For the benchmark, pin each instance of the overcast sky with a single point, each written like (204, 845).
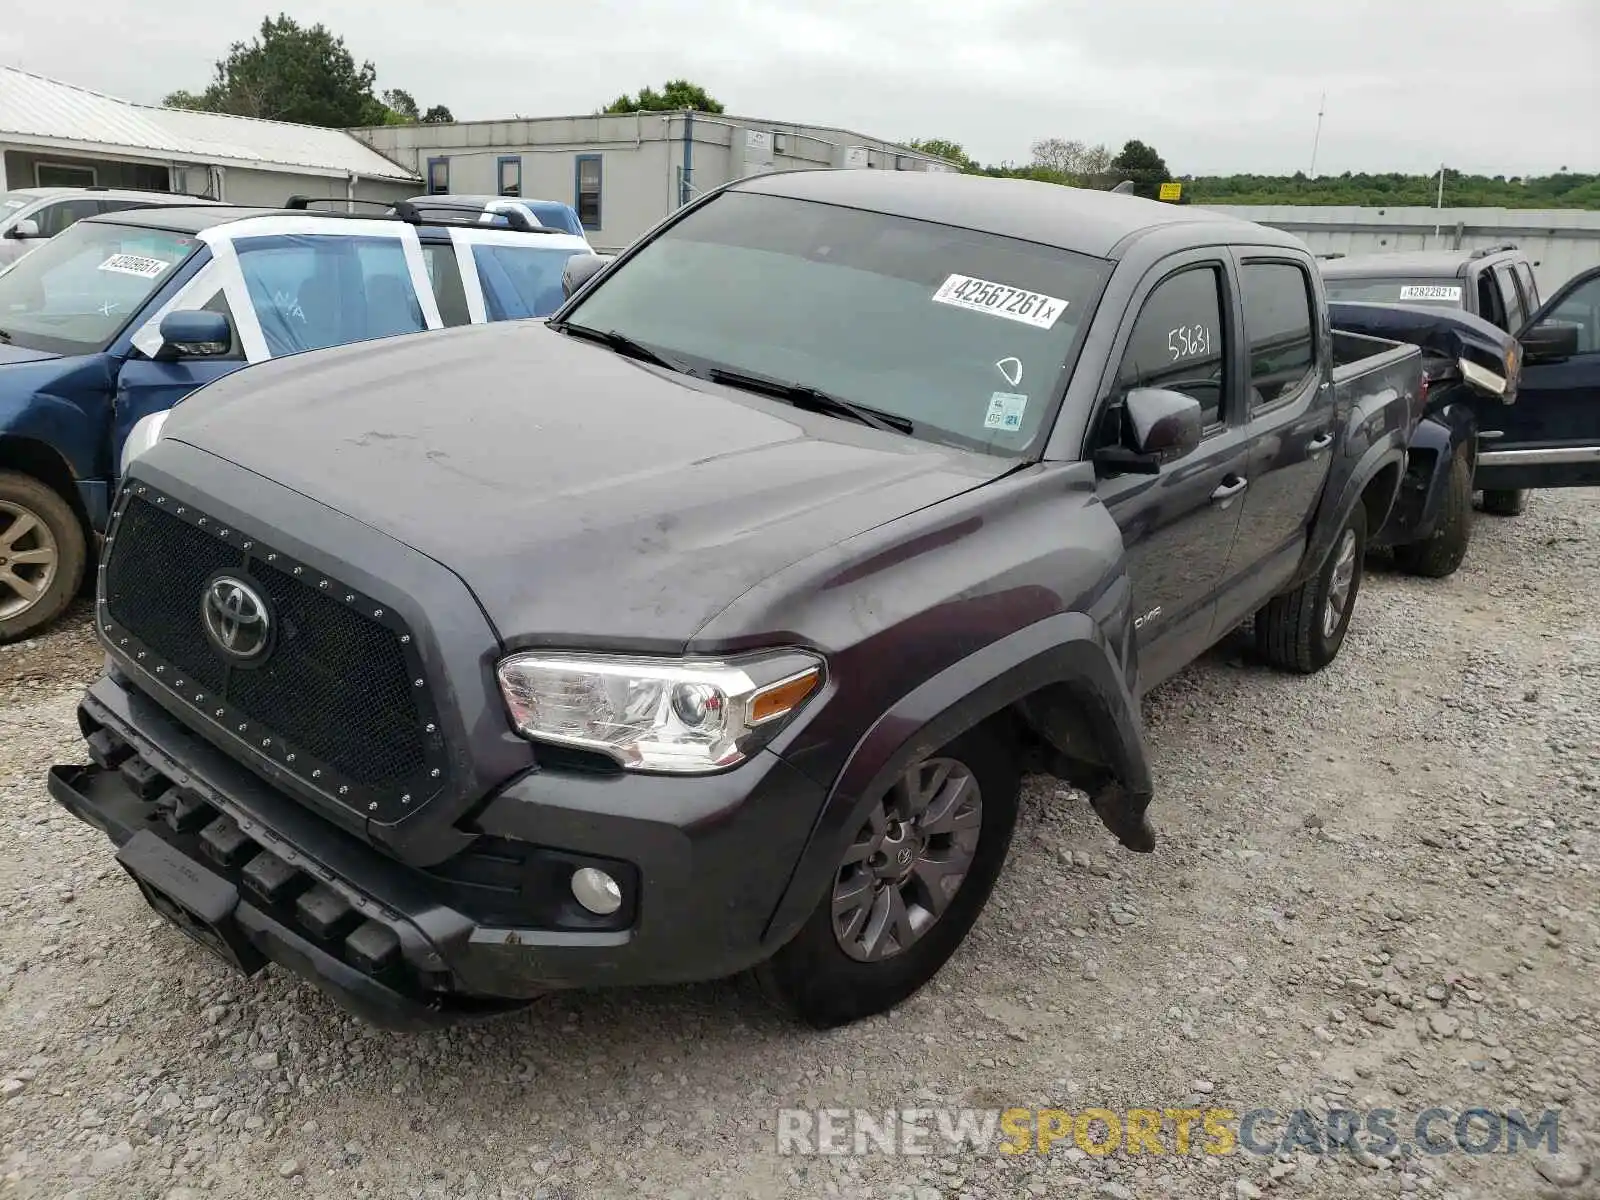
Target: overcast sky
(1217, 86)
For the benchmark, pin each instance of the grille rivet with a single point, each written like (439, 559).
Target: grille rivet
(182, 510)
(405, 639)
(141, 654)
(219, 712)
(406, 799)
(323, 584)
(266, 741)
(178, 684)
(203, 521)
(377, 612)
(416, 683)
(222, 533)
(317, 774)
(434, 772)
(161, 499)
(344, 791)
(200, 699)
(141, 491)
(247, 545)
(299, 570)
(243, 727)
(161, 670)
(373, 807)
(272, 558)
(291, 758)
(123, 642)
(105, 629)
(429, 729)
(349, 598)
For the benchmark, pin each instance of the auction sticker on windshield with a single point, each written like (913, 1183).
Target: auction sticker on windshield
(1000, 300)
(135, 264)
(1430, 291)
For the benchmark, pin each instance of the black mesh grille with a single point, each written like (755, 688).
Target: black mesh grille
(339, 700)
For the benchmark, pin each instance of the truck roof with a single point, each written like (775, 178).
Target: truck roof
(181, 218)
(1087, 222)
(1406, 262)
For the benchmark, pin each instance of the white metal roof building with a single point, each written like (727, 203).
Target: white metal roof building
(624, 172)
(56, 134)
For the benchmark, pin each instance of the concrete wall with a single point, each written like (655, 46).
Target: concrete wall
(642, 158)
(1561, 242)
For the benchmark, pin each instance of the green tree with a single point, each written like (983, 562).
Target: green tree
(945, 149)
(291, 73)
(403, 105)
(676, 95)
(437, 115)
(1143, 166)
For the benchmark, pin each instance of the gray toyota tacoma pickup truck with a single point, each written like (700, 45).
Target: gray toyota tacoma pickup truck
(712, 625)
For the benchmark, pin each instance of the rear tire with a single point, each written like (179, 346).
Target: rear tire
(815, 978)
(1303, 630)
(42, 555)
(1442, 553)
(1505, 502)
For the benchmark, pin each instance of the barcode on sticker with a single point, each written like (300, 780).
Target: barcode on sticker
(135, 264)
(1000, 300)
(1430, 291)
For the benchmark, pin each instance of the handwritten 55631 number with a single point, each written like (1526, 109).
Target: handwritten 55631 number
(1187, 341)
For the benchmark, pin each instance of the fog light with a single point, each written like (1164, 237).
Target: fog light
(596, 891)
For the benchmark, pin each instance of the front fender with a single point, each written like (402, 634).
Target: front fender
(1066, 651)
(63, 404)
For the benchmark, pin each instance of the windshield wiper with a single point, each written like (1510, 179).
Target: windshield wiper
(621, 343)
(812, 399)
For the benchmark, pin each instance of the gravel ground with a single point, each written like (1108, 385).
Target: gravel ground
(1375, 888)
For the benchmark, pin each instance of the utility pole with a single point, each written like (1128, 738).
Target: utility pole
(1439, 208)
(1322, 107)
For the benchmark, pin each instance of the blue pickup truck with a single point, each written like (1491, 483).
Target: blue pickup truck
(122, 315)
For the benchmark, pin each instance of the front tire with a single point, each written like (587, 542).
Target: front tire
(908, 889)
(1303, 630)
(1442, 553)
(42, 555)
(1505, 502)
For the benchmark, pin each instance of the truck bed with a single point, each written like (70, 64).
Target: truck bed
(1372, 370)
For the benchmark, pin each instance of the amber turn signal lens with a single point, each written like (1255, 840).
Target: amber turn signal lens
(781, 698)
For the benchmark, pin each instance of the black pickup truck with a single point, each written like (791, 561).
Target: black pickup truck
(712, 625)
(1549, 436)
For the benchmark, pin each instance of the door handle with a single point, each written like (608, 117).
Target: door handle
(1318, 444)
(1224, 494)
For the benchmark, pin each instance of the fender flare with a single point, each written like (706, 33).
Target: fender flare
(1336, 508)
(1415, 512)
(1065, 649)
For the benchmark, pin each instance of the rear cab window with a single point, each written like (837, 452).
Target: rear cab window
(1280, 328)
(1511, 295)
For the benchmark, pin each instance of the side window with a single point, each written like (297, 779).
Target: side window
(588, 190)
(438, 176)
(53, 218)
(1530, 288)
(1277, 320)
(444, 273)
(315, 291)
(1582, 308)
(1178, 340)
(510, 176)
(1516, 313)
(1490, 307)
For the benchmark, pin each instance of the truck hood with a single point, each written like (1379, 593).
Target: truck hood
(586, 499)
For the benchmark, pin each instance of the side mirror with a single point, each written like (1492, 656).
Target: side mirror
(194, 334)
(1549, 341)
(24, 230)
(1160, 426)
(580, 269)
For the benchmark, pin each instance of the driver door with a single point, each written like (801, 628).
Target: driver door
(1551, 436)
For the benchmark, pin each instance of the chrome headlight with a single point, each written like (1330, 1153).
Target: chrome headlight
(658, 714)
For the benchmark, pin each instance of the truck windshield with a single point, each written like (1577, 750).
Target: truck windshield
(76, 291)
(1444, 293)
(967, 335)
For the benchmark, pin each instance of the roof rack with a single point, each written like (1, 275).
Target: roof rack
(102, 187)
(1488, 250)
(412, 212)
(1332, 254)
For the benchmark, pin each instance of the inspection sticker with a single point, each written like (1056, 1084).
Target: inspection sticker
(1430, 291)
(135, 264)
(1005, 411)
(1000, 300)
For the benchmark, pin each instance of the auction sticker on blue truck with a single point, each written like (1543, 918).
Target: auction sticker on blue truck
(1000, 300)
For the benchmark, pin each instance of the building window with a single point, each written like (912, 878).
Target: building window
(510, 169)
(588, 190)
(63, 175)
(438, 176)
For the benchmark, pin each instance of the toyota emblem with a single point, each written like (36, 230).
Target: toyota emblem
(236, 619)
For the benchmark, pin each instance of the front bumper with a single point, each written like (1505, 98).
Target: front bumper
(257, 877)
